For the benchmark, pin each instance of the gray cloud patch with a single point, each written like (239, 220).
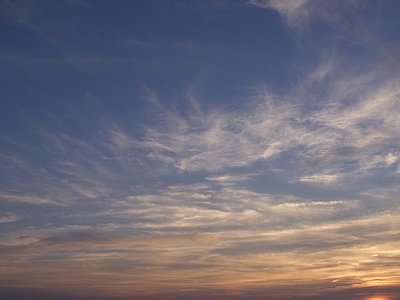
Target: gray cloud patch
(78, 236)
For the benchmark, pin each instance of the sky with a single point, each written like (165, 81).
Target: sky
(209, 149)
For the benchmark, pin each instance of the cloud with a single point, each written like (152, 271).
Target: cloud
(218, 206)
(219, 140)
(353, 21)
(189, 232)
(151, 96)
(348, 133)
(30, 199)
(71, 237)
(231, 179)
(295, 12)
(320, 178)
(9, 218)
(243, 257)
(179, 239)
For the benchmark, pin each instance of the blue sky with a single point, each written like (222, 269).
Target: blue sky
(203, 149)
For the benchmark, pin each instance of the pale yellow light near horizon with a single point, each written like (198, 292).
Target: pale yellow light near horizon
(162, 264)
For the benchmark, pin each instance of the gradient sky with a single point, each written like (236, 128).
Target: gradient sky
(208, 149)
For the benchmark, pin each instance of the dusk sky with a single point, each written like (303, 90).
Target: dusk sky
(200, 149)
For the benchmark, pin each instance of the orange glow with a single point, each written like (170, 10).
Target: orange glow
(378, 298)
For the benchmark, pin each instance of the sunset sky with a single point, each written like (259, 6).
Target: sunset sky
(208, 149)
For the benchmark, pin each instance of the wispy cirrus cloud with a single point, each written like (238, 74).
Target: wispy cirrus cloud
(350, 130)
(9, 218)
(205, 141)
(295, 12)
(301, 14)
(29, 199)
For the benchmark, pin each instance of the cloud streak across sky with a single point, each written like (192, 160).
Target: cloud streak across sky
(217, 150)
